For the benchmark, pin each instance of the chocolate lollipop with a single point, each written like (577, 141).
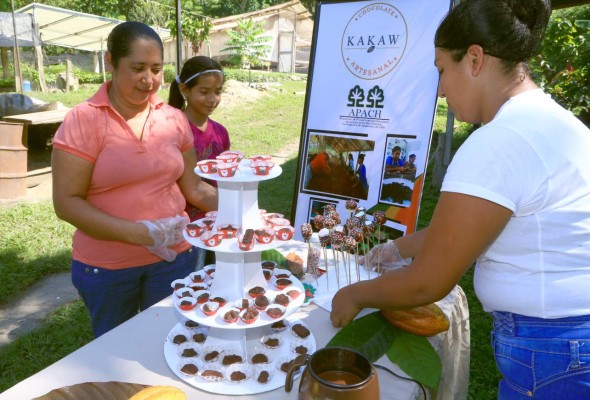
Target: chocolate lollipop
(336, 240)
(318, 221)
(351, 205)
(329, 223)
(334, 215)
(324, 236)
(359, 237)
(306, 231)
(350, 247)
(379, 218)
(329, 207)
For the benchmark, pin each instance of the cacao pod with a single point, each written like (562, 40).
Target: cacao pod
(426, 320)
(160, 393)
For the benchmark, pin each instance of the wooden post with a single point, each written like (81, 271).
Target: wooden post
(39, 61)
(18, 77)
(4, 56)
(68, 72)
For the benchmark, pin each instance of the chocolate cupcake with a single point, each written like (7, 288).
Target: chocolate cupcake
(249, 315)
(256, 291)
(231, 315)
(283, 283)
(276, 311)
(261, 302)
(282, 299)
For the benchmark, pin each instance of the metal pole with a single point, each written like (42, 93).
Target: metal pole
(178, 38)
(18, 78)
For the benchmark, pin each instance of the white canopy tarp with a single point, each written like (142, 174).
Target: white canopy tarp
(76, 30)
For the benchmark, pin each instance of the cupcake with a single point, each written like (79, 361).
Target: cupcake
(219, 300)
(189, 367)
(211, 238)
(186, 303)
(209, 269)
(179, 335)
(282, 283)
(193, 230)
(267, 264)
(301, 347)
(207, 166)
(293, 293)
(228, 231)
(198, 276)
(279, 326)
(249, 315)
(231, 315)
(267, 273)
(284, 232)
(276, 311)
(232, 356)
(261, 302)
(260, 355)
(264, 235)
(188, 350)
(211, 354)
(227, 170)
(263, 374)
(244, 303)
(256, 291)
(209, 308)
(178, 284)
(282, 299)
(212, 373)
(202, 296)
(280, 273)
(184, 292)
(237, 373)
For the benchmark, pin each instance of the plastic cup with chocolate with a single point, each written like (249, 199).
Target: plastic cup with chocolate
(228, 231)
(193, 230)
(264, 235)
(227, 170)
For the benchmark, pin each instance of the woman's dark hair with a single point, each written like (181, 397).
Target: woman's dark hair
(123, 35)
(511, 30)
(191, 67)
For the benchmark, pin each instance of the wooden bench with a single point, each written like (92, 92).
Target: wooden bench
(36, 118)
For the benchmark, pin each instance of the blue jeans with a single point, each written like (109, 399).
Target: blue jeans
(542, 358)
(114, 296)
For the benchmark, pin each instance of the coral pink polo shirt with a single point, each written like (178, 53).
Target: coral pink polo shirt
(132, 179)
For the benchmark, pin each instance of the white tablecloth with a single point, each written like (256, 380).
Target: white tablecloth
(133, 352)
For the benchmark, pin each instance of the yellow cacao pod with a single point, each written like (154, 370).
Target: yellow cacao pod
(159, 393)
(426, 320)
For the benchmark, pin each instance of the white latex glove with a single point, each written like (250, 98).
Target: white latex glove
(165, 232)
(383, 257)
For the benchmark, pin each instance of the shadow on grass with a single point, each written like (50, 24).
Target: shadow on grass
(17, 274)
(62, 333)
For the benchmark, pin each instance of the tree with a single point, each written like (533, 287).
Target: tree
(562, 69)
(247, 44)
(195, 29)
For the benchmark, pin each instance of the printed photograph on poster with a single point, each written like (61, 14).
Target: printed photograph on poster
(399, 170)
(389, 231)
(316, 207)
(336, 165)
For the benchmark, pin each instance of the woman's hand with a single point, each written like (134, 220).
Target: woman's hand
(344, 308)
(165, 233)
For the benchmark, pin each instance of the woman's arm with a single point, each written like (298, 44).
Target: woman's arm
(71, 179)
(198, 193)
(462, 227)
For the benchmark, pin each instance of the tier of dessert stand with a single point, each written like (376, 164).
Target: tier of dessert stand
(235, 272)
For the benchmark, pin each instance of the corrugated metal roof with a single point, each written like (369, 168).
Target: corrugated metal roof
(76, 30)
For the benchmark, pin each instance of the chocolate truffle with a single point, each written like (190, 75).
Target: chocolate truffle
(263, 377)
(282, 299)
(189, 369)
(259, 359)
(300, 331)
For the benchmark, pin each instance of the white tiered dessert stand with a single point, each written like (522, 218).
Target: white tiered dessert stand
(235, 272)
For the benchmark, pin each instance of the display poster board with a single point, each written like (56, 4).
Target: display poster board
(371, 92)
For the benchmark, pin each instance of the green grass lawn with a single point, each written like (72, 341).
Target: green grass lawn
(40, 245)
